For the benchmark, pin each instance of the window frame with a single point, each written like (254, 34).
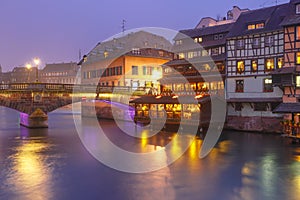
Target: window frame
(267, 85)
(238, 88)
(238, 66)
(269, 40)
(297, 32)
(266, 63)
(134, 70)
(258, 40)
(240, 44)
(252, 68)
(297, 59)
(297, 8)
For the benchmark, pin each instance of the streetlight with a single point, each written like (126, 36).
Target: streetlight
(28, 66)
(36, 62)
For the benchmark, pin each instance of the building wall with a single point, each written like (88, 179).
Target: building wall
(93, 72)
(253, 88)
(251, 49)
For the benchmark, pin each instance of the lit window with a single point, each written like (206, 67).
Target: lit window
(181, 55)
(136, 51)
(268, 85)
(269, 64)
(239, 86)
(260, 25)
(251, 26)
(105, 54)
(298, 81)
(200, 39)
(254, 66)
(240, 68)
(298, 58)
(195, 40)
(279, 62)
(298, 9)
(204, 53)
(190, 54)
(298, 33)
(207, 67)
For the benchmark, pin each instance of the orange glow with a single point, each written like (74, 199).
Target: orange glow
(198, 96)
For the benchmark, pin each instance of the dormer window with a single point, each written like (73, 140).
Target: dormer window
(297, 8)
(199, 39)
(256, 26)
(178, 42)
(259, 25)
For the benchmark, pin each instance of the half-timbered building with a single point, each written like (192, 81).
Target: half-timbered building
(255, 49)
(288, 77)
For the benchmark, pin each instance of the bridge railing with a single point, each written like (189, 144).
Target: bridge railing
(69, 88)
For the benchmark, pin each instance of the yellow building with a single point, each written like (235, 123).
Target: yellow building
(133, 60)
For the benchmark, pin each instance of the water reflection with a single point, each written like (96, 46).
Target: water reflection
(30, 173)
(52, 164)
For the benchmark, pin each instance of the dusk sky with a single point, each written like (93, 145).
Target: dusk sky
(55, 30)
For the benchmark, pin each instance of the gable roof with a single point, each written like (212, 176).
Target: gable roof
(270, 16)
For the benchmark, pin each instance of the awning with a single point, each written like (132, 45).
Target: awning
(287, 108)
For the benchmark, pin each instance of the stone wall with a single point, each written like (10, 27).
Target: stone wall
(260, 124)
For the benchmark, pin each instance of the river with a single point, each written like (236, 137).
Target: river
(53, 164)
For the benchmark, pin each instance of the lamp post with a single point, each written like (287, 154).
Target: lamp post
(36, 62)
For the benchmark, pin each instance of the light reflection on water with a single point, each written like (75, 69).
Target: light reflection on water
(30, 171)
(52, 164)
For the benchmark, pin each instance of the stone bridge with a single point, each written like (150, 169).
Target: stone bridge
(35, 100)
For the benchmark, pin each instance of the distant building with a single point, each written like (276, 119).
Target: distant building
(64, 73)
(22, 75)
(132, 60)
(232, 16)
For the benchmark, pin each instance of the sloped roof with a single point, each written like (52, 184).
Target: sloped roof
(60, 67)
(198, 32)
(270, 16)
(116, 47)
(254, 100)
(285, 70)
(287, 108)
(292, 18)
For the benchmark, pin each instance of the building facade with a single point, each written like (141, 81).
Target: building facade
(22, 75)
(255, 48)
(288, 77)
(64, 73)
(133, 60)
